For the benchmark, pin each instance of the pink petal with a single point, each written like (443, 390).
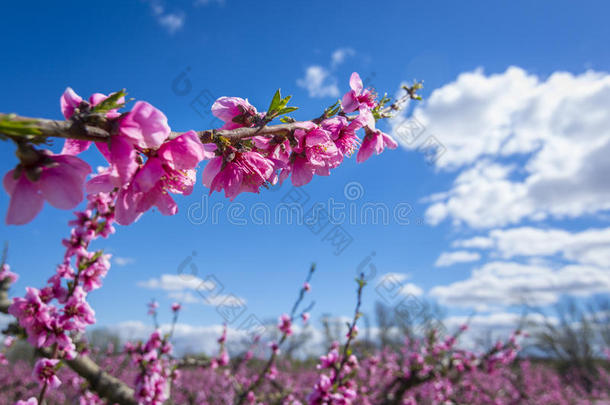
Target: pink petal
(68, 102)
(350, 103)
(149, 174)
(368, 119)
(229, 179)
(104, 149)
(227, 108)
(61, 189)
(317, 137)
(126, 211)
(123, 158)
(366, 149)
(388, 141)
(262, 165)
(26, 202)
(355, 83)
(97, 98)
(62, 185)
(211, 170)
(74, 146)
(145, 125)
(302, 173)
(102, 183)
(307, 125)
(183, 152)
(166, 204)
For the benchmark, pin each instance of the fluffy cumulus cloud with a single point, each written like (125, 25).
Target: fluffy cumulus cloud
(525, 152)
(177, 282)
(320, 81)
(339, 56)
(123, 261)
(590, 246)
(390, 286)
(523, 147)
(459, 256)
(189, 289)
(496, 284)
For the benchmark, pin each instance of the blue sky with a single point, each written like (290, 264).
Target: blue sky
(522, 169)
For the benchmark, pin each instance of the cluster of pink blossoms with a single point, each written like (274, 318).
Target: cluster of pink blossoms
(147, 162)
(54, 325)
(335, 387)
(313, 148)
(152, 383)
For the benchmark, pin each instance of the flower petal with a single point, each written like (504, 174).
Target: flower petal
(68, 102)
(350, 103)
(211, 170)
(355, 83)
(149, 174)
(126, 211)
(26, 202)
(184, 152)
(74, 147)
(145, 125)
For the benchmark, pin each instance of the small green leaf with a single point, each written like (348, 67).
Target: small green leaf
(284, 102)
(11, 126)
(275, 102)
(287, 110)
(111, 103)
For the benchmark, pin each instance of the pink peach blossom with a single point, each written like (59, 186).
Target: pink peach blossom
(357, 96)
(60, 184)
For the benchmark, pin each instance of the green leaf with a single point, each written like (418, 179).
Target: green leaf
(11, 126)
(111, 103)
(287, 110)
(284, 102)
(275, 102)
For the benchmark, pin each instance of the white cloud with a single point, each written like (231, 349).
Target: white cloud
(478, 242)
(388, 286)
(558, 126)
(591, 246)
(394, 277)
(339, 56)
(179, 287)
(497, 284)
(459, 256)
(123, 261)
(215, 300)
(319, 83)
(175, 282)
(185, 297)
(411, 289)
(172, 22)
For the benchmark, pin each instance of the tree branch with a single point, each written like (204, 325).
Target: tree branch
(100, 382)
(100, 131)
